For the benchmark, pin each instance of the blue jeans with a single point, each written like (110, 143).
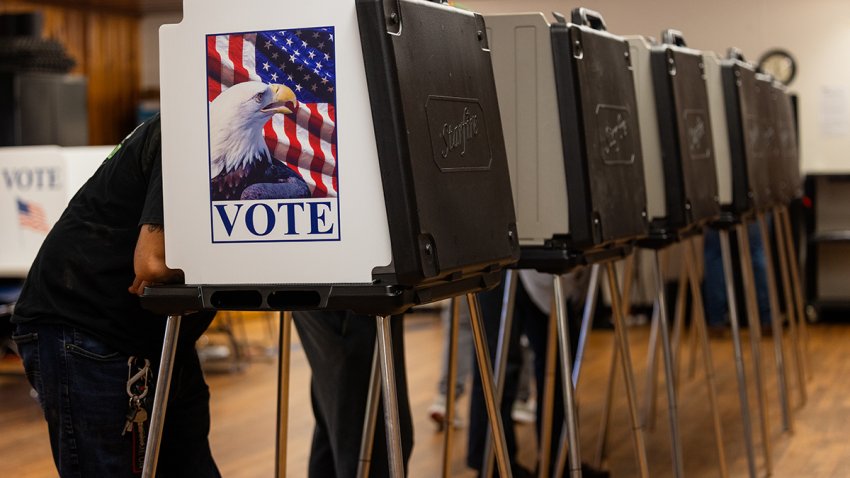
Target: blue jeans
(714, 283)
(81, 385)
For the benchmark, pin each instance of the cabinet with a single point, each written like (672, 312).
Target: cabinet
(827, 258)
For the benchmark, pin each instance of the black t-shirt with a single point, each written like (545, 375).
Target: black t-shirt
(81, 274)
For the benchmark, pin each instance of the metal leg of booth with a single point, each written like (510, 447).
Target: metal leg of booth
(755, 338)
(566, 382)
(451, 390)
(390, 397)
(608, 399)
(726, 252)
(679, 323)
(586, 324)
(588, 313)
(667, 352)
(605, 419)
(506, 319)
(160, 399)
(692, 362)
(483, 357)
(586, 321)
(794, 262)
(776, 324)
(790, 311)
(699, 324)
(373, 400)
(651, 390)
(283, 391)
(548, 399)
(650, 402)
(621, 334)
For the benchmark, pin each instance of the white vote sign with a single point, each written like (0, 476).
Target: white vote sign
(36, 184)
(270, 169)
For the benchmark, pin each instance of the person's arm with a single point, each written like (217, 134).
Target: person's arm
(149, 260)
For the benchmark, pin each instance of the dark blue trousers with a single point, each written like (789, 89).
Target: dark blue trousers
(81, 385)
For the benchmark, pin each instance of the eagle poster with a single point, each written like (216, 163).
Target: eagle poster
(272, 136)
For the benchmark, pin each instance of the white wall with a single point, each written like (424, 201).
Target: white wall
(149, 39)
(816, 32)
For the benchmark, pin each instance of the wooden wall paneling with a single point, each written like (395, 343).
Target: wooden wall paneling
(105, 45)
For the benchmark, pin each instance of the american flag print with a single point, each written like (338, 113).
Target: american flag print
(32, 216)
(303, 60)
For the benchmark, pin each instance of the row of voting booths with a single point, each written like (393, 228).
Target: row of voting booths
(438, 151)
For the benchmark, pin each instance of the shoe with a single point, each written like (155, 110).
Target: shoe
(524, 411)
(437, 413)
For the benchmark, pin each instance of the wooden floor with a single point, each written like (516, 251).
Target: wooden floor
(243, 411)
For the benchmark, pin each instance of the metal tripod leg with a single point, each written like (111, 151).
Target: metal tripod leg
(373, 399)
(390, 397)
(755, 338)
(776, 323)
(451, 390)
(586, 320)
(790, 312)
(650, 401)
(798, 290)
(283, 391)
(483, 357)
(506, 320)
(160, 399)
(605, 419)
(699, 323)
(566, 382)
(726, 251)
(628, 373)
(679, 322)
(548, 399)
(672, 407)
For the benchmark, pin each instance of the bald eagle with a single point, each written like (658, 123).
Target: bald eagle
(241, 166)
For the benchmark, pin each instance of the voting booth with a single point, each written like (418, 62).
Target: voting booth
(569, 115)
(327, 153)
(746, 162)
(570, 124)
(345, 154)
(37, 184)
(785, 166)
(676, 133)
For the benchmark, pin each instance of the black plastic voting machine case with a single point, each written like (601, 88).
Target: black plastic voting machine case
(602, 154)
(784, 159)
(750, 182)
(685, 133)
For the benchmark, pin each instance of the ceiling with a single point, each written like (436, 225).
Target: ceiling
(129, 6)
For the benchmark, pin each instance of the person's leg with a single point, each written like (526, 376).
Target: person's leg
(81, 385)
(464, 348)
(536, 328)
(185, 449)
(714, 284)
(463, 357)
(760, 271)
(339, 347)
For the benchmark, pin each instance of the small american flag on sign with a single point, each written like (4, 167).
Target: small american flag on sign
(31, 216)
(303, 60)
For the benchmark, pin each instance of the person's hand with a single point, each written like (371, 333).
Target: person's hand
(138, 286)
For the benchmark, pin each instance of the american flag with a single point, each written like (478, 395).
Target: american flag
(32, 216)
(303, 60)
